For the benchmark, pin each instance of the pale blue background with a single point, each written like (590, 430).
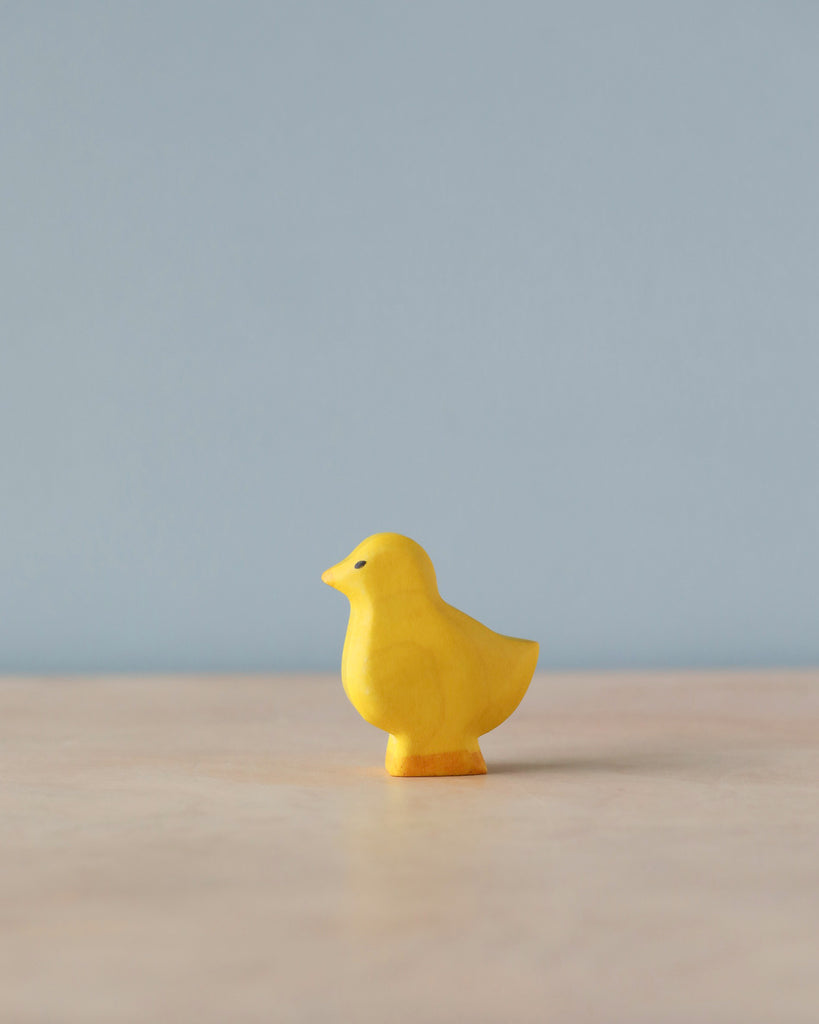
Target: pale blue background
(537, 284)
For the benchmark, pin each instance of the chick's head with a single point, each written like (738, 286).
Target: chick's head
(382, 565)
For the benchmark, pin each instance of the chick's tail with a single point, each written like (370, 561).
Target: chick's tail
(510, 680)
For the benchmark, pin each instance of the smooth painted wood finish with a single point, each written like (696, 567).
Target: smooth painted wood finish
(644, 849)
(425, 672)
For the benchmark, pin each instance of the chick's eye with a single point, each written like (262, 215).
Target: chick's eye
(359, 565)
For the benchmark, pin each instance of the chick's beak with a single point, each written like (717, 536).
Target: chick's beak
(329, 576)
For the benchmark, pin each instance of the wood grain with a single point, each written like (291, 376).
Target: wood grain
(643, 849)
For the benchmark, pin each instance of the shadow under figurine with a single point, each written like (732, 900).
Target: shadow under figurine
(429, 675)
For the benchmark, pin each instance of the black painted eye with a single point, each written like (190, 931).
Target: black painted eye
(359, 565)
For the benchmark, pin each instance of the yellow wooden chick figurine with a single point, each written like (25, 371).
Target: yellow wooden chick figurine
(429, 675)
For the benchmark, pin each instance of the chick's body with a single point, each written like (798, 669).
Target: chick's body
(431, 676)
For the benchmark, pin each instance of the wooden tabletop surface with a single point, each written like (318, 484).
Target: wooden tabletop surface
(644, 850)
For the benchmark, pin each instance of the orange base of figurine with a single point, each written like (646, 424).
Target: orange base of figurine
(455, 762)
